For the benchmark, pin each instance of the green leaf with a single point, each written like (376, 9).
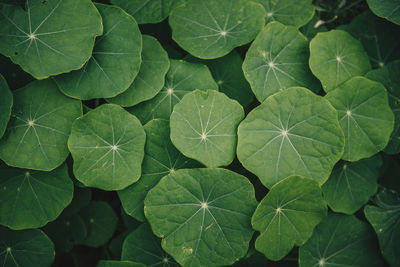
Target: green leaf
(110, 263)
(212, 28)
(115, 245)
(101, 222)
(115, 59)
(389, 76)
(148, 11)
(288, 215)
(385, 218)
(6, 102)
(37, 133)
(50, 37)
(202, 215)
(143, 246)
(107, 145)
(335, 57)
(82, 197)
(25, 248)
(278, 59)
(364, 115)
(160, 159)
(351, 184)
(30, 199)
(150, 79)
(182, 77)
(291, 132)
(340, 240)
(203, 127)
(289, 12)
(388, 9)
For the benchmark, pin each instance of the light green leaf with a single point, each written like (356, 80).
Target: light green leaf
(388, 9)
(160, 159)
(110, 263)
(150, 79)
(364, 115)
(182, 77)
(352, 184)
(50, 37)
(202, 215)
(291, 132)
(107, 145)
(6, 102)
(385, 218)
(278, 59)
(288, 215)
(212, 28)
(340, 240)
(203, 127)
(335, 57)
(37, 133)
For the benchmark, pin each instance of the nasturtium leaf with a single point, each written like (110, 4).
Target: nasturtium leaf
(312, 28)
(288, 215)
(289, 12)
(335, 57)
(6, 101)
(203, 127)
(50, 37)
(182, 77)
(160, 159)
(143, 246)
(25, 248)
(364, 115)
(111, 263)
(278, 59)
(148, 11)
(151, 77)
(115, 59)
(340, 240)
(227, 72)
(385, 218)
(107, 145)
(212, 28)
(202, 215)
(352, 184)
(82, 197)
(101, 222)
(291, 132)
(115, 245)
(30, 199)
(37, 133)
(389, 76)
(388, 9)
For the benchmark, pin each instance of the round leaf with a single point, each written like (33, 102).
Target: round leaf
(107, 145)
(212, 28)
(50, 37)
(202, 215)
(335, 57)
(6, 101)
(203, 127)
(109, 263)
(291, 132)
(288, 215)
(388, 9)
(364, 115)
(37, 133)
(115, 59)
(150, 79)
(278, 59)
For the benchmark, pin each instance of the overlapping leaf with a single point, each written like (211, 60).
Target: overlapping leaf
(388, 9)
(6, 101)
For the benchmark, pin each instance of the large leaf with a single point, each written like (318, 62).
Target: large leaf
(212, 28)
(202, 215)
(291, 132)
(340, 240)
(150, 79)
(107, 145)
(203, 127)
(50, 37)
(37, 134)
(115, 59)
(388, 9)
(160, 159)
(278, 59)
(364, 115)
(288, 215)
(335, 57)
(6, 102)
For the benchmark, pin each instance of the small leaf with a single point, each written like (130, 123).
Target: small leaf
(6, 102)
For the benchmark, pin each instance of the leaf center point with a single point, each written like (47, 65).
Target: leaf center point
(204, 205)
(31, 123)
(338, 59)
